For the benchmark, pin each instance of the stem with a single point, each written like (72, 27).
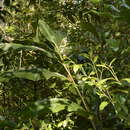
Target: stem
(94, 67)
(82, 99)
(113, 73)
(72, 80)
(20, 61)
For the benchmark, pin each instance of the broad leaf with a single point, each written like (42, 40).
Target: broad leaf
(50, 35)
(55, 105)
(48, 74)
(33, 75)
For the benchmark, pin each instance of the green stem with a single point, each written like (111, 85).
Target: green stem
(82, 99)
(75, 85)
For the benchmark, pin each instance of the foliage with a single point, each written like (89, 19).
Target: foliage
(64, 64)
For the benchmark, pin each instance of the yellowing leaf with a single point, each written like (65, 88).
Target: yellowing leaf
(76, 68)
(101, 82)
(126, 79)
(103, 105)
(95, 1)
(95, 59)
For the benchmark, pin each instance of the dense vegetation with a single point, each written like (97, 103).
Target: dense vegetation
(65, 65)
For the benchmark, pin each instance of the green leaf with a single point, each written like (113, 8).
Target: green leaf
(50, 35)
(27, 75)
(90, 27)
(103, 105)
(101, 14)
(46, 31)
(112, 61)
(101, 82)
(95, 59)
(95, 1)
(113, 44)
(126, 81)
(48, 74)
(55, 105)
(119, 91)
(6, 76)
(124, 12)
(76, 68)
(7, 124)
(7, 46)
(32, 74)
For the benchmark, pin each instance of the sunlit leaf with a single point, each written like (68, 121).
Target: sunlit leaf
(76, 68)
(101, 82)
(55, 105)
(48, 74)
(126, 81)
(95, 59)
(95, 1)
(103, 105)
(102, 65)
(112, 61)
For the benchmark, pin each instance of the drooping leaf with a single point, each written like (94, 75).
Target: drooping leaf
(126, 81)
(7, 46)
(101, 14)
(119, 91)
(31, 74)
(101, 82)
(103, 66)
(27, 75)
(48, 74)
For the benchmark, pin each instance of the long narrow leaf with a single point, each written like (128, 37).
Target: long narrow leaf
(7, 46)
(50, 35)
(32, 74)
